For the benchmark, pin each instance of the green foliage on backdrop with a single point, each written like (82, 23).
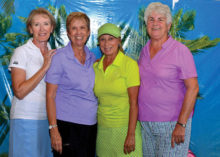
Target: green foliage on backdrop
(133, 40)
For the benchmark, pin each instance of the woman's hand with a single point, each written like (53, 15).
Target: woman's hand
(192, 89)
(129, 144)
(178, 135)
(56, 140)
(48, 57)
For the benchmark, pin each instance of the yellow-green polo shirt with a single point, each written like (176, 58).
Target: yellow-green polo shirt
(111, 89)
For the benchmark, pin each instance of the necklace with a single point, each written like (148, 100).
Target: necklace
(81, 57)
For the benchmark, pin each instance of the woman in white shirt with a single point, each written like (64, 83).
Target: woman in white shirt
(29, 135)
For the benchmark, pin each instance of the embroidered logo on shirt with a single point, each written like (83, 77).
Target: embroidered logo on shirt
(15, 62)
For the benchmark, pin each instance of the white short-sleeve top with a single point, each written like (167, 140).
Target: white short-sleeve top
(33, 106)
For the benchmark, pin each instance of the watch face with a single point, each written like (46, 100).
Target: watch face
(52, 126)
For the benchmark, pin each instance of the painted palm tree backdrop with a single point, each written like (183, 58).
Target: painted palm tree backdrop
(188, 27)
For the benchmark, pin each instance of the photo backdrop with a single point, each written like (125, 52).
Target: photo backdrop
(195, 23)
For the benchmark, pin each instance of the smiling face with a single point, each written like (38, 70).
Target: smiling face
(157, 26)
(109, 44)
(40, 28)
(78, 32)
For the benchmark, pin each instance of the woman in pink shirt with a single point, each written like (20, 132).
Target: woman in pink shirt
(168, 88)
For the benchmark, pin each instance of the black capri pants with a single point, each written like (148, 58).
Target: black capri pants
(78, 140)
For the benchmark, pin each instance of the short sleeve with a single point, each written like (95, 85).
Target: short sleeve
(55, 71)
(187, 64)
(132, 73)
(18, 59)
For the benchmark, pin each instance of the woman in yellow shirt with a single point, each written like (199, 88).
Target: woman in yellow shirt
(116, 87)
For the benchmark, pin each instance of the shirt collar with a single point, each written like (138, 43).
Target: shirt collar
(70, 52)
(168, 42)
(33, 46)
(165, 44)
(117, 61)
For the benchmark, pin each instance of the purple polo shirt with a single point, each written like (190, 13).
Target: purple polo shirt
(75, 99)
(162, 86)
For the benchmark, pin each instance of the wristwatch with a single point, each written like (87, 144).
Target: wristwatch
(181, 124)
(52, 126)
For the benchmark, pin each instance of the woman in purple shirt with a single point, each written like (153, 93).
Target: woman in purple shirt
(71, 103)
(168, 88)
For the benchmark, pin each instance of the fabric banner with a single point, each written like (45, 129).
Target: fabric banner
(195, 23)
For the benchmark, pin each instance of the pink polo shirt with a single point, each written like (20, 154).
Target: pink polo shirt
(162, 86)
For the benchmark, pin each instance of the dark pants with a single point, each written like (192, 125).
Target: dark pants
(78, 140)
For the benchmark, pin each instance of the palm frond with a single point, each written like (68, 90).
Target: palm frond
(142, 26)
(4, 120)
(60, 15)
(23, 19)
(7, 6)
(182, 23)
(176, 20)
(199, 96)
(199, 44)
(62, 12)
(187, 21)
(186, 24)
(126, 30)
(3, 133)
(5, 24)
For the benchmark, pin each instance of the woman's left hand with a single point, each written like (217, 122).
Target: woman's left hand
(129, 144)
(192, 89)
(178, 135)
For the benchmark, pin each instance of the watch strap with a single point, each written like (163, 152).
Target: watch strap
(181, 124)
(52, 126)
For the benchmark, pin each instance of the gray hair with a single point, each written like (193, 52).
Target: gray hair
(160, 9)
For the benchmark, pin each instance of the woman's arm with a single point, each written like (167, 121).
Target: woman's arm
(56, 140)
(129, 144)
(21, 86)
(192, 89)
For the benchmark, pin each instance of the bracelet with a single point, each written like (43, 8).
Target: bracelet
(52, 126)
(181, 124)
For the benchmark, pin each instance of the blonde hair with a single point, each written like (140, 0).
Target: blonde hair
(160, 9)
(77, 15)
(39, 11)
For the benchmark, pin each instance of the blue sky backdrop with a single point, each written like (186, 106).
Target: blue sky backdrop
(205, 139)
